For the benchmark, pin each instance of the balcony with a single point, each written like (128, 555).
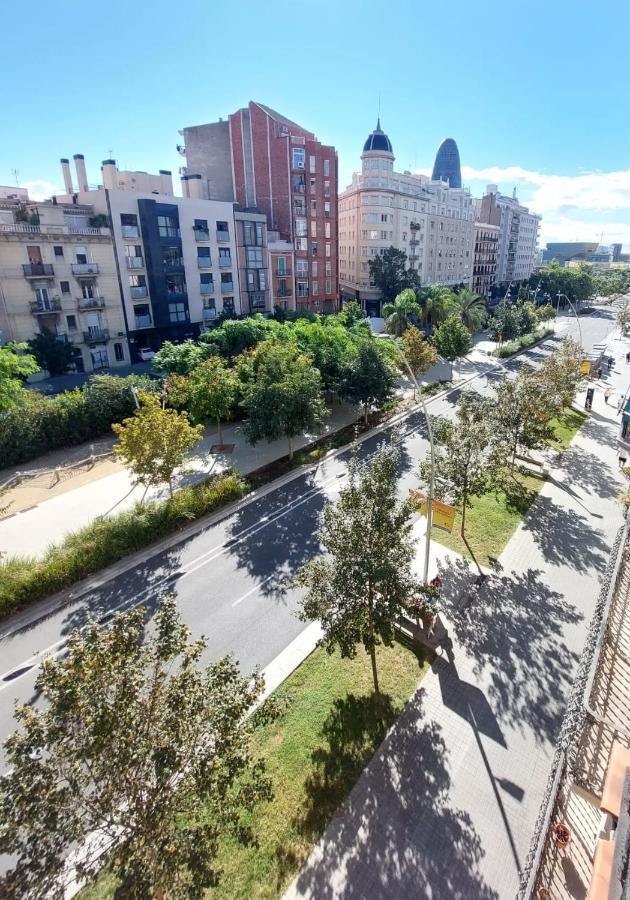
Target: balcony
(130, 231)
(208, 314)
(96, 336)
(135, 262)
(139, 293)
(282, 273)
(227, 287)
(172, 265)
(38, 270)
(201, 234)
(204, 262)
(286, 292)
(85, 268)
(90, 302)
(206, 288)
(168, 231)
(223, 235)
(45, 308)
(225, 262)
(143, 322)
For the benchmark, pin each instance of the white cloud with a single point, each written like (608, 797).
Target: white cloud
(41, 190)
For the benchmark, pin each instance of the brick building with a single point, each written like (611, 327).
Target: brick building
(261, 160)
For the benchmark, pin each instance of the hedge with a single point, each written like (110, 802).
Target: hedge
(24, 580)
(525, 340)
(39, 424)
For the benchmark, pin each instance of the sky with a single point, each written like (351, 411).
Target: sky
(535, 93)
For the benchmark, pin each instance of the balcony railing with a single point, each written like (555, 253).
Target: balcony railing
(45, 307)
(208, 314)
(225, 262)
(38, 270)
(171, 265)
(201, 234)
(205, 288)
(85, 268)
(413, 242)
(143, 322)
(204, 262)
(285, 293)
(168, 231)
(139, 293)
(227, 287)
(223, 235)
(135, 262)
(130, 231)
(90, 302)
(96, 335)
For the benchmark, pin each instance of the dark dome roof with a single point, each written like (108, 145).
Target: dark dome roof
(378, 140)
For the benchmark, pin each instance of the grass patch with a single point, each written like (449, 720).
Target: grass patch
(492, 519)
(566, 427)
(24, 580)
(314, 753)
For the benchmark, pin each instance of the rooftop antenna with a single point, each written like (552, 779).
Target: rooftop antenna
(15, 175)
(378, 111)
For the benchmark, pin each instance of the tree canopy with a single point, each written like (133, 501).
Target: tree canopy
(180, 359)
(369, 377)
(452, 339)
(399, 314)
(390, 274)
(15, 366)
(51, 353)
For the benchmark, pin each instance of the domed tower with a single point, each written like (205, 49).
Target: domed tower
(446, 166)
(377, 150)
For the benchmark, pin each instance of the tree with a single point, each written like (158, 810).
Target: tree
(545, 312)
(154, 441)
(359, 587)
(452, 340)
(51, 353)
(472, 309)
(464, 465)
(140, 743)
(210, 392)
(390, 274)
(623, 316)
(369, 377)
(180, 359)
(284, 399)
(398, 314)
(418, 353)
(561, 373)
(437, 304)
(351, 313)
(15, 366)
(521, 414)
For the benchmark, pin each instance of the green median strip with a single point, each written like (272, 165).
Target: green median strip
(329, 728)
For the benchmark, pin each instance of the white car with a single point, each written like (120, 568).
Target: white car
(146, 354)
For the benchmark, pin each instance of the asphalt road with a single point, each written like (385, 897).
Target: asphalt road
(233, 579)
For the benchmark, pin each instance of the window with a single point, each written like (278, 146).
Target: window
(203, 257)
(226, 279)
(175, 284)
(58, 251)
(201, 224)
(252, 233)
(327, 209)
(255, 258)
(301, 244)
(313, 185)
(302, 288)
(328, 286)
(327, 229)
(65, 287)
(300, 227)
(228, 304)
(373, 235)
(326, 167)
(223, 233)
(206, 283)
(327, 249)
(71, 322)
(298, 184)
(312, 162)
(81, 256)
(137, 281)
(43, 300)
(327, 189)
(171, 257)
(177, 312)
(129, 220)
(168, 226)
(328, 268)
(118, 352)
(142, 314)
(384, 217)
(301, 267)
(313, 228)
(225, 256)
(133, 252)
(314, 248)
(313, 207)
(298, 156)
(315, 287)
(282, 265)
(314, 268)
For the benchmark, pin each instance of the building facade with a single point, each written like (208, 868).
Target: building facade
(58, 273)
(432, 222)
(446, 166)
(261, 160)
(485, 258)
(518, 239)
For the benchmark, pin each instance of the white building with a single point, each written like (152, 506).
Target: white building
(432, 222)
(518, 241)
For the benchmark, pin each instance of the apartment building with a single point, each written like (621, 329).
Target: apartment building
(431, 221)
(485, 257)
(58, 273)
(262, 160)
(518, 240)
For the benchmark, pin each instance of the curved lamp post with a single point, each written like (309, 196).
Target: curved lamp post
(577, 318)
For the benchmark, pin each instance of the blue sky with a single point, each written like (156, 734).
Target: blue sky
(536, 93)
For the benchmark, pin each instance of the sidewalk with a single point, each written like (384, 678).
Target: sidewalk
(447, 806)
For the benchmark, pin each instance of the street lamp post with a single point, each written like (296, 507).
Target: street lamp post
(577, 318)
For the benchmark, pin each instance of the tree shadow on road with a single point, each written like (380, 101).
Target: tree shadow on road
(566, 537)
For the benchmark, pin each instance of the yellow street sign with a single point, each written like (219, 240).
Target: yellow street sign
(443, 514)
(586, 368)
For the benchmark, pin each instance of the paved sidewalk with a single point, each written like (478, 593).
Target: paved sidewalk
(447, 806)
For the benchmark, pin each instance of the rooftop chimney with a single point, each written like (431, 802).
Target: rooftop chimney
(79, 164)
(109, 171)
(166, 182)
(67, 177)
(195, 187)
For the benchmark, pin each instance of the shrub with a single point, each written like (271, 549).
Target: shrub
(24, 580)
(525, 340)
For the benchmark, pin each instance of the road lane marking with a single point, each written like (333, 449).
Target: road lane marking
(253, 590)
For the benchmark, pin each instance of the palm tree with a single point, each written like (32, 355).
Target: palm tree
(438, 303)
(471, 308)
(398, 314)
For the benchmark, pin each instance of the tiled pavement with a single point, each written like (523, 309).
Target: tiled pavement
(447, 806)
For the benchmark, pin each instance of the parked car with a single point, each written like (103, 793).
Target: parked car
(146, 354)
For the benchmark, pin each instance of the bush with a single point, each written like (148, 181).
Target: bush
(525, 340)
(46, 423)
(24, 580)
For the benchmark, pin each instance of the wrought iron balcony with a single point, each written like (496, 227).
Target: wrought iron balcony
(38, 270)
(96, 335)
(90, 302)
(45, 307)
(85, 268)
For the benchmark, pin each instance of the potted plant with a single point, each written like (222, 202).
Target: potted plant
(562, 834)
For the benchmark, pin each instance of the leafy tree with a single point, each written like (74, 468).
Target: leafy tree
(545, 312)
(15, 366)
(521, 414)
(51, 353)
(358, 588)
(418, 353)
(623, 316)
(235, 335)
(285, 397)
(141, 743)
(210, 392)
(464, 466)
(398, 314)
(369, 378)
(437, 303)
(561, 373)
(472, 309)
(350, 314)
(330, 345)
(506, 322)
(390, 274)
(180, 359)
(154, 442)
(452, 340)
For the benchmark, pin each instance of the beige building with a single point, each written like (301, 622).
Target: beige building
(485, 257)
(58, 273)
(432, 222)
